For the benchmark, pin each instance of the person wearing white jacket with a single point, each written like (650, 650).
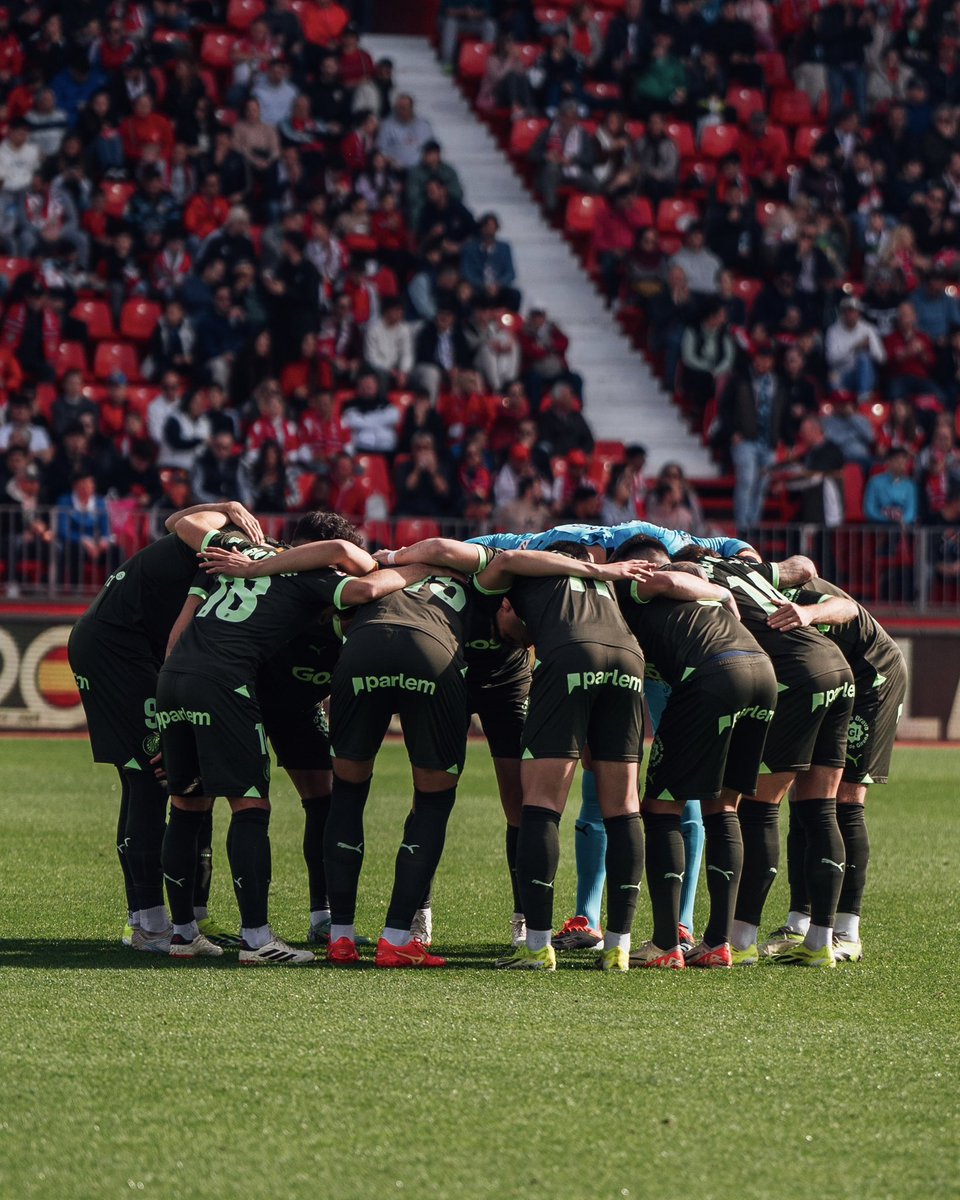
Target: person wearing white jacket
(19, 158)
(388, 346)
(854, 350)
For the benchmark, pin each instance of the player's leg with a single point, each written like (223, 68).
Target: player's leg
(546, 785)
(851, 817)
(434, 723)
(146, 824)
(815, 806)
(692, 833)
(759, 819)
(314, 787)
(179, 858)
(590, 850)
(507, 771)
(724, 855)
(129, 886)
(619, 803)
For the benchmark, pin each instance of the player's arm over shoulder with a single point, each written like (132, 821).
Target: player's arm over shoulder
(352, 591)
(445, 553)
(680, 581)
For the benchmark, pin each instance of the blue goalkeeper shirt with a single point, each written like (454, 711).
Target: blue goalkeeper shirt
(610, 537)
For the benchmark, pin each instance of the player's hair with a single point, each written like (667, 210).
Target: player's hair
(575, 550)
(691, 554)
(688, 568)
(641, 545)
(322, 526)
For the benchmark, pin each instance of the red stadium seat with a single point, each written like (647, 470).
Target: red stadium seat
(242, 13)
(745, 101)
(791, 107)
(96, 315)
(12, 268)
(765, 211)
(682, 135)
(529, 52)
(138, 319)
(717, 141)
(612, 452)
(524, 133)
(545, 14)
(582, 212)
(775, 73)
(473, 59)
(116, 194)
(407, 532)
(805, 140)
(116, 356)
(139, 397)
(604, 93)
(375, 469)
(71, 356)
(641, 212)
(675, 214)
(747, 290)
(216, 50)
(853, 488)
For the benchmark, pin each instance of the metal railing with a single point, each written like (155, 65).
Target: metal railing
(914, 569)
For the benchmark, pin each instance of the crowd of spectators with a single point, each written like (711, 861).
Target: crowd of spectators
(238, 265)
(769, 196)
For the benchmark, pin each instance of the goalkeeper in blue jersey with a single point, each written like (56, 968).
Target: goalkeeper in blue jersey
(583, 929)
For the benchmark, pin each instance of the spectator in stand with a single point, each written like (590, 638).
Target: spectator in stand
(613, 238)
(341, 341)
(700, 265)
(32, 330)
(457, 20)
(294, 291)
(734, 42)
(618, 506)
(272, 425)
(658, 160)
(882, 298)
(843, 33)
(207, 211)
(900, 429)
(47, 123)
(19, 159)
(487, 265)
(137, 477)
(22, 428)
(646, 271)
(171, 343)
(28, 534)
(440, 347)
(850, 430)
(185, 432)
(323, 22)
(671, 312)
(911, 357)
(388, 346)
(513, 409)
(421, 417)
(529, 510)
(801, 395)
(854, 351)
(615, 164)
(221, 333)
(755, 406)
(266, 482)
(564, 153)
(938, 312)
(673, 503)
(890, 498)
(403, 134)
(444, 222)
(322, 435)
(423, 486)
(557, 77)
(505, 83)
(628, 43)
(370, 419)
(256, 141)
(497, 354)
(216, 473)
(707, 354)
(543, 345)
(762, 153)
(431, 166)
(814, 472)
(84, 537)
(584, 507)
(662, 83)
(562, 426)
(71, 403)
(274, 92)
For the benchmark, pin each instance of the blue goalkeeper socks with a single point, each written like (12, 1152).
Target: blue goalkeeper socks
(691, 829)
(590, 842)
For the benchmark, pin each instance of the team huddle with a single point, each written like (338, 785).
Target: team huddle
(761, 679)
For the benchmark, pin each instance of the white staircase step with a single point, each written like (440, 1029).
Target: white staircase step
(624, 399)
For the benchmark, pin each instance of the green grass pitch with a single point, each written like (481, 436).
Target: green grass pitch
(123, 1074)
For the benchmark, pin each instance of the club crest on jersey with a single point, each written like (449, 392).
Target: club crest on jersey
(406, 683)
(858, 731)
(656, 753)
(589, 679)
(151, 744)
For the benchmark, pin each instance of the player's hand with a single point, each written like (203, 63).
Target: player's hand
(791, 616)
(633, 569)
(383, 556)
(216, 561)
(158, 768)
(245, 521)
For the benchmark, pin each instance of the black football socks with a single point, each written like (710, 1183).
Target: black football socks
(724, 854)
(624, 862)
(665, 866)
(424, 834)
(343, 847)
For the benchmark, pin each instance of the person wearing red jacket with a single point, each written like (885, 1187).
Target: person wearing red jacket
(911, 358)
(31, 331)
(272, 425)
(207, 211)
(144, 127)
(613, 238)
(11, 55)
